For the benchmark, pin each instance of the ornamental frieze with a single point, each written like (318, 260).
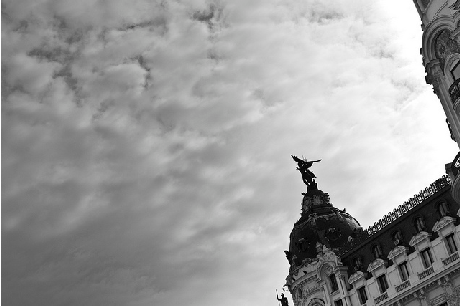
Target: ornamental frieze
(375, 264)
(445, 221)
(397, 251)
(419, 238)
(355, 277)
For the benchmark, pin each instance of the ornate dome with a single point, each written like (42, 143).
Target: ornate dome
(320, 222)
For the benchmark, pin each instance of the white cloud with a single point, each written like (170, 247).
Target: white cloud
(146, 147)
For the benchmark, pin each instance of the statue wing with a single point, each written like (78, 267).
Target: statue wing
(295, 158)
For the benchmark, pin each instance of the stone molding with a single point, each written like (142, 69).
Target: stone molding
(452, 258)
(381, 298)
(402, 286)
(397, 251)
(420, 237)
(425, 273)
(355, 277)
(438, 300)
(445, 221)
(375, 265)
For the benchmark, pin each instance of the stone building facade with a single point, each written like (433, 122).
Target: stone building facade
(441, 57)
(409, 257)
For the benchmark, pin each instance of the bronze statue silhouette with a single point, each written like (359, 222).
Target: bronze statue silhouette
(308, 177)
(283, 300)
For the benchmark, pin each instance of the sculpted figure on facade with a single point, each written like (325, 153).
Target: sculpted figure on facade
(303, 166)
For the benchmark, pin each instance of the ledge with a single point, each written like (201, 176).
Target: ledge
(403, 286)
(381, 298)
(452, 258)
(425, 273)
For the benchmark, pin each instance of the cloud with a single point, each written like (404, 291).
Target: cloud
(146, 146)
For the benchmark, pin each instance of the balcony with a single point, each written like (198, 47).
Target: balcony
(450, 259)
(454, 92)
(381, 298)
(425, 273)
(402, 286)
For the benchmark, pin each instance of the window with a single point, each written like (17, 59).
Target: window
(362, 295)
(427, 259)
(450, 243)
(443, 209)
(397, 238)
(419, 224)
(333, 281)
(403, 271)
(357, 264)
(456, 71)
(338, 303)
(383, 284)
(377, 251)
(299, 293)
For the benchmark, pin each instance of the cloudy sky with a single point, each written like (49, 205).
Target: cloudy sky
(146, 144)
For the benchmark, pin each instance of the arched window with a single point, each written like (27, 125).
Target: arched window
(443, 209)
(419, 224)
(333, 282)
(357, 264)
(397, 237)
(377, 252)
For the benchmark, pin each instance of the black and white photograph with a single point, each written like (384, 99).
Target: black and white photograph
(230, 153)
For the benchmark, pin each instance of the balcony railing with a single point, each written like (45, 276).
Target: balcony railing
(450, 259)
(403, 286)
(381, 298)
(425, 273)
(454, 92)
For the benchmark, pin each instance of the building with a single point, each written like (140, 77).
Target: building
(411, 256)
(441, 57)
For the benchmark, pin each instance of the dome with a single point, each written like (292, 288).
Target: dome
(320, 222)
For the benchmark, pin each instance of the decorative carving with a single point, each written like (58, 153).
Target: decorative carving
(316, 302)
(356, 277)
(445, 221)
(403, 286)
(419, 238)
(381, 298)
(375, 264)
(434, 76)
(454, 298)
(326, 269)
(310, 291)
(455, 6)
(452, 258)
(438, 300)
(454, 93)
(333, 234)
(444, 46)
(425, 273)
(396, 252)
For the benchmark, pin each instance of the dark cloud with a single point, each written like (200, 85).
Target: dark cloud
(146, 144)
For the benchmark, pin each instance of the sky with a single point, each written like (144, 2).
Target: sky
(146, 144)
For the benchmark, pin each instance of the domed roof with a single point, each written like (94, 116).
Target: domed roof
(320, 222)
